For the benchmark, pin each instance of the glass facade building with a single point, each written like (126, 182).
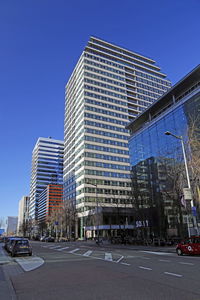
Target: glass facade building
(47, 168)
(157, 164)
(108, 88)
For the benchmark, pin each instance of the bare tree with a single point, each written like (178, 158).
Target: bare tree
(194, 156)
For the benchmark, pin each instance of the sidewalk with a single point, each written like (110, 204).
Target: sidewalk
(6, 289)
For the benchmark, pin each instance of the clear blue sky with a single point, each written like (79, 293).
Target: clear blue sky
(40, 42)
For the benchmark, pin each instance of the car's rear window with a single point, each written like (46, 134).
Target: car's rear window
(22, 243)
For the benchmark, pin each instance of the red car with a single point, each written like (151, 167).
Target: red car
(190, 246)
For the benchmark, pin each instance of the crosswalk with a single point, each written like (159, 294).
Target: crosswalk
(107, 256)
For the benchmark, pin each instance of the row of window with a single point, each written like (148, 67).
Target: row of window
(104, 182)
(127, 63)
(106, 149)
(153, 78)
(104, 61)
(51, 163)
(143, 86)
(132, 61)
(106, 112)
(106, 105)
(150, 83)
(103, 200)
(104, 173)
(105, 119)
(104, 85)
(97, 90)
(104, 141)
(115, 48)
(103, 72)
(105, 133)
(104, 98)
(101, 125)
(155, 96)
(104, 79)
(106, 157)
(105, 165)
(146, 98)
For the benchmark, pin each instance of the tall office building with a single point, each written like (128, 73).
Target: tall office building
(47, 168)
(23, 214)
(108, 88)
(11, 225)
(50, 201)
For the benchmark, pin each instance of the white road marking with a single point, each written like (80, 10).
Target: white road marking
(120, 259)
(108, 256)
(173, 274)
(145, 268)
(164, 260)
(157, 253)
(54, 247)
(185, 263)
(30, 263)
(75, 250)
(88, 253)
(62, 248)
(125, 264)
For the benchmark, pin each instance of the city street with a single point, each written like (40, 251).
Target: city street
(83, 270)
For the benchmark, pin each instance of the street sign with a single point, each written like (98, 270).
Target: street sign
(194, 211)
(187, 194)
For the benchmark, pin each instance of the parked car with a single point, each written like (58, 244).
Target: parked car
(20, 246)
(49, 239)
(189, 246)
(63, 239)
(42, 239)
(8, 243)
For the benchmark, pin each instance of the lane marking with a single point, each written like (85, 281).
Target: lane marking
(145, 268)
(30, 263)
(157, 253)
(125, 264)
(173, 274)
(54, 247)
(108, 256)
(164, 260)
(119, 259)
(75, 250)
(185, 263)
(62, 248)
(88, 253)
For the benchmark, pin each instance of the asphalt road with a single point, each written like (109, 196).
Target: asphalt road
(81, 271)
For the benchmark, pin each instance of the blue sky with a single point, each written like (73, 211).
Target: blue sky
(40, 42)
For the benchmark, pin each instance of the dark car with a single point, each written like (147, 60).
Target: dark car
(20, 246)
(189, 246)
(8, 243)
(49, 239)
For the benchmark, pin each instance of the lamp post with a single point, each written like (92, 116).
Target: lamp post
(97, 208)
(180, 138)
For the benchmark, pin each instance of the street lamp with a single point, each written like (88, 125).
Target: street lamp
(180, 138)
(97, 208)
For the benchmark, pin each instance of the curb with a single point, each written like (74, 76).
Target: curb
(10, 289)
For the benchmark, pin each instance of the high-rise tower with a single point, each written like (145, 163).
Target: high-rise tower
(108, 88)
(47, 168)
